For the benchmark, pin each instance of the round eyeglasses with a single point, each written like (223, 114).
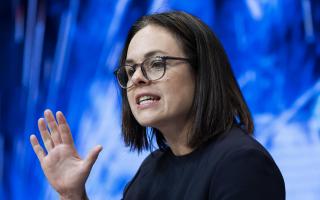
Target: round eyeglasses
(152, 68)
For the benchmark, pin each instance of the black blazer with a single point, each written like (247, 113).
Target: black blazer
(232, 166)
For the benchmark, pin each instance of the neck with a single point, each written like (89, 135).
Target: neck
(180, 150)
(176, 137)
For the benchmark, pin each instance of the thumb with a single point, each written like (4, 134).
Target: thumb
(92, 156)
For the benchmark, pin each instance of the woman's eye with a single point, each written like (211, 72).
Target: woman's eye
(130, 71)
(157, 65)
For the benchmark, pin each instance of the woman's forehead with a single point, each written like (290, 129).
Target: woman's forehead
(153, 39)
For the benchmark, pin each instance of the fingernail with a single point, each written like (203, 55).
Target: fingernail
(47, 112)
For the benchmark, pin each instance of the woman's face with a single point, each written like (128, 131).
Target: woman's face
(172, 95)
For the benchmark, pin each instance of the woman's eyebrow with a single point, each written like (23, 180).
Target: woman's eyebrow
(147, 55)
(153, 53)
(129, 61)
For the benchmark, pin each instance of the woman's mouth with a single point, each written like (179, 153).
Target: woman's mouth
(147, 99)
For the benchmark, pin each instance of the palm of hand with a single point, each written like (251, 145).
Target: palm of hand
(63, 167)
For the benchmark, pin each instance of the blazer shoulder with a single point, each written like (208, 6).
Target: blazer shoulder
(232, 142)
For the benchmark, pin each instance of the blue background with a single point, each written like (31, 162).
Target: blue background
(61, 54)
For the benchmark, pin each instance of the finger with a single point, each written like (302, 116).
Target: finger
(45, 135)
(92, 156)
(37, 147)
(53, 127)
(64, 128)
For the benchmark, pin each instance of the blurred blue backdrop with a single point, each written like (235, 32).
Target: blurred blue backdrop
(60, 55)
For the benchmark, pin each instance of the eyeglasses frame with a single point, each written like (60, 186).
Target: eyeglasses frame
(164, 60)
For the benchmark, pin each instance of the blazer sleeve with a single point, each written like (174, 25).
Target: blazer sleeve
(248, 174)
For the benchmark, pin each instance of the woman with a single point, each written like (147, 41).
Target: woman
(177, 80)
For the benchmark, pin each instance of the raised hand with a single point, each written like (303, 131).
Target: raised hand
(62, 165)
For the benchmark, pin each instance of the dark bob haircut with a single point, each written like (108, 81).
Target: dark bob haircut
(218, 103)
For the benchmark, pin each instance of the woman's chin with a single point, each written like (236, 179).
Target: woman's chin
(148, 122)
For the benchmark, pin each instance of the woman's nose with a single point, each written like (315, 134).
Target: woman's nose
(138, 77)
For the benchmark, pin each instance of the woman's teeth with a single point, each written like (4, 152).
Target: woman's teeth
(146, 99)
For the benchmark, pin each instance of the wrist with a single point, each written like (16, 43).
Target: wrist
(77, 196)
